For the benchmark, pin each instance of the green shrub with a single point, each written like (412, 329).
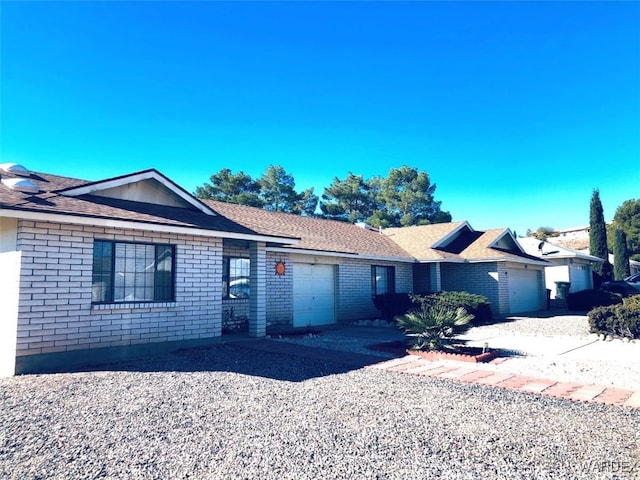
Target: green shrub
(476, 305)
(392, 305)
(433, 327)
(601, 319)
(616, 320)
(585, 300)
(632, 301)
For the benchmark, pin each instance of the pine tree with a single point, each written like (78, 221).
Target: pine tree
(598, 237)
(621, 267)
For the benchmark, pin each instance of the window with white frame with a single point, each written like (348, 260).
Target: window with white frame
(382, 280)
(235, 277)
(132, 272)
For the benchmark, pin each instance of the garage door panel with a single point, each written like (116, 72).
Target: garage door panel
(580, 278)
(524, 291)
(313, 295)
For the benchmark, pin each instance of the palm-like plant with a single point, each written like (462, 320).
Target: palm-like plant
(434, 326)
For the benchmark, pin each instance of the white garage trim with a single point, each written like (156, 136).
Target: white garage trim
(314, 294)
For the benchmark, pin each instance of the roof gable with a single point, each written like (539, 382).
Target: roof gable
(498, 245)
(506, 241)
(462, 229)
(72, 200)
(147, 186)
(458, 242)
(419, 240)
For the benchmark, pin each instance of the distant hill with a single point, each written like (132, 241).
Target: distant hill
(574, 238)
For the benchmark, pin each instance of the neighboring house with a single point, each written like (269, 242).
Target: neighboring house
(634, 265)
(102, 269)
(574, 238)
(567, 265)
(453, 256)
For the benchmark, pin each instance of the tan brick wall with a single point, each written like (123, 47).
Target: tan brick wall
(56, 313)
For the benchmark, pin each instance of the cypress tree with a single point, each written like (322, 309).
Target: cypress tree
(598, 237)
(621, 267)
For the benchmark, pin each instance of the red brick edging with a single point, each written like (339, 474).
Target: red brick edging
(467, 372)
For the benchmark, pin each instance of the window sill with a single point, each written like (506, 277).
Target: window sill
(132, 306)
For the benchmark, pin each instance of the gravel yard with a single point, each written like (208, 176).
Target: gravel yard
(546, 347)
(224, 412)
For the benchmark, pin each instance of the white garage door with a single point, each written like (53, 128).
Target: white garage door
(313, 294)
(524, 291)
(580, 278)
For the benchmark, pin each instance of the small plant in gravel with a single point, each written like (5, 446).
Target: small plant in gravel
(432, 327)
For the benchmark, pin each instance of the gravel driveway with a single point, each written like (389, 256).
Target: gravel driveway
(224, 412)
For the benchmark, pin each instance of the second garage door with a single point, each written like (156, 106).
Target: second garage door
(524, 291)
(313, 294)
(580, 276)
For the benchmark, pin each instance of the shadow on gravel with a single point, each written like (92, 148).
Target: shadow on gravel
(508, 353)
(537, 314)
(247, 358)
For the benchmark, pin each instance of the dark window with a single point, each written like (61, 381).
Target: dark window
(235, 277)
(382, 280)
(132, 272)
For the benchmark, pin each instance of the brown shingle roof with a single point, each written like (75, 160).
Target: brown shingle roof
(418, 240)
(480, 248)
(468, 246)
(316, 234)
(50, 201)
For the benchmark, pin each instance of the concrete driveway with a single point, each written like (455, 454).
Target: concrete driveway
(549, 342)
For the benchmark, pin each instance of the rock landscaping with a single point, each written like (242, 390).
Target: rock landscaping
(226, 412)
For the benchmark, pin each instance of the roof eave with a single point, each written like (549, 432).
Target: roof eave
(527, 261)
(142, 225)
(328, 253)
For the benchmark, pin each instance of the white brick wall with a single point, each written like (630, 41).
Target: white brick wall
(55, 312)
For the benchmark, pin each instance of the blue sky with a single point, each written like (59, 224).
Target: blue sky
(516, 110)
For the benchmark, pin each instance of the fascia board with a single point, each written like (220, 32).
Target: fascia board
(136, 177)
(568, 253)
(146, 226)
(441, 260)
(324, 253)
(543, 263)
(577, 256)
